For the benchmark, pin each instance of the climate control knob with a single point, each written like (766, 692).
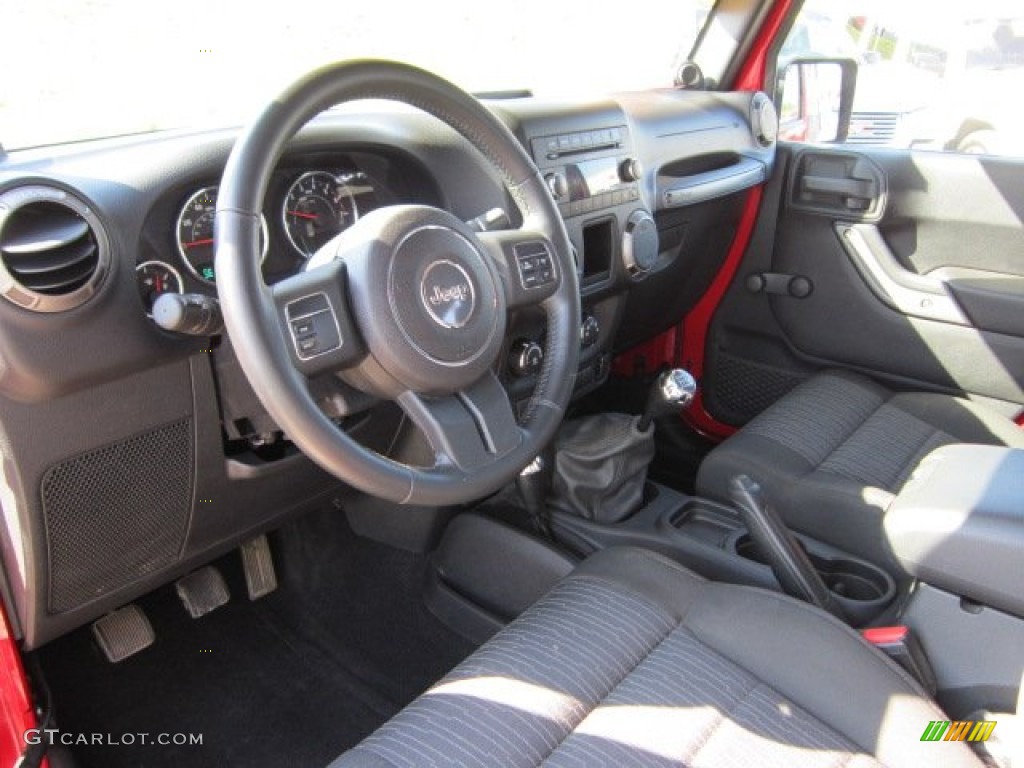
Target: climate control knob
(526, 358)
(557, 184)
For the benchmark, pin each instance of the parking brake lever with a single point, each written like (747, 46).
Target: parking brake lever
(792, 567)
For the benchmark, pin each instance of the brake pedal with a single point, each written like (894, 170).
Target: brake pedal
(260, 577)
(202, 591)
(123, 633)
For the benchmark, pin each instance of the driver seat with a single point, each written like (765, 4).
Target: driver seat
(634, 660)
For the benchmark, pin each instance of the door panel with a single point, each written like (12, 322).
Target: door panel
(912, 270)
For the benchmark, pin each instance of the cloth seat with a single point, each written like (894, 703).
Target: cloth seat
(634, 660)
(832, 453)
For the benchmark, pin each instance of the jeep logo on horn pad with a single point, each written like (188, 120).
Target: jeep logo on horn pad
(447, 294)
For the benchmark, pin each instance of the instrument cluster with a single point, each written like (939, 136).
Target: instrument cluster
(306, 206)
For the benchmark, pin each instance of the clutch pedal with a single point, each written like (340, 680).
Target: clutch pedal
(202, 591)
(260, 577)
(123, 633)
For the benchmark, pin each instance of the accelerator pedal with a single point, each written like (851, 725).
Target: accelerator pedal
(202, 591)
(123, 633)
(260, 577)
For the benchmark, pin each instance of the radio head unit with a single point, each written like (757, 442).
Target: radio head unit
(587, 171)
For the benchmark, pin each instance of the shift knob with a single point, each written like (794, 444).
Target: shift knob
(673, 391)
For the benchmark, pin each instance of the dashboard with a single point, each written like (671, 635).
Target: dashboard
(132, 454)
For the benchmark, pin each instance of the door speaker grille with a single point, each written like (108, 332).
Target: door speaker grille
(737, 389)
(117, 514)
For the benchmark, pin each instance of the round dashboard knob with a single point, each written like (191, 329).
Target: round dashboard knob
(526, 358)
(640, 243)
(630, 170)
(557, 185)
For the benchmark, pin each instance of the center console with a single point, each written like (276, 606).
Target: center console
(710, 539)
(589, 163)
(956, 528)
(600, 497)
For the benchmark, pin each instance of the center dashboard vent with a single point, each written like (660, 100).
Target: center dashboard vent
(54, 252)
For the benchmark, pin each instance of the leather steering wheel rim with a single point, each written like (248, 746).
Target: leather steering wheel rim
(253, 314)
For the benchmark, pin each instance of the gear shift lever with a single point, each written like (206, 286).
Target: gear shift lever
(673, 391)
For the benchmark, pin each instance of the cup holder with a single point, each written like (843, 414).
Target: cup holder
(861, 588)
(851, 579)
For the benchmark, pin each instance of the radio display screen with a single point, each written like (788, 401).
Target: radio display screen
(599, 175)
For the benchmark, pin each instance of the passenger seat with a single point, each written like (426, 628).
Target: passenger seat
(832, 453)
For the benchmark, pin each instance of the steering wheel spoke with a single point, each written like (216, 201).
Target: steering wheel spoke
(313, 311)
(527, 263)
(472, 428)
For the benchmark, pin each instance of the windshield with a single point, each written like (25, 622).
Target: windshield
(91, 68)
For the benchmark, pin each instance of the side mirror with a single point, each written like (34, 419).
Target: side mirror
(815, 99)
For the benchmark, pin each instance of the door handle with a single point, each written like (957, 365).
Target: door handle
(842, 184)
(859, 189)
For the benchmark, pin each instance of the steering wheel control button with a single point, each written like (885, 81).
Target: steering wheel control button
(313, 326)
(536, 268)
(447, 293)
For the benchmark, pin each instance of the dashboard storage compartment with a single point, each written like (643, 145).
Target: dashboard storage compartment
(958, 524)
(598, 249)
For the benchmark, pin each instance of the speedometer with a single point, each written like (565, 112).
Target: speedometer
(195, 234)
(317, 207)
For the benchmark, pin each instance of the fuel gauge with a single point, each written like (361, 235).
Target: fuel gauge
(154, 279)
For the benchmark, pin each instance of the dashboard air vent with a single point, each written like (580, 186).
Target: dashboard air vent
(54, 253)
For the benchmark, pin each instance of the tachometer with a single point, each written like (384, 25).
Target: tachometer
(317, 207)
(195, 234)
(156, 278)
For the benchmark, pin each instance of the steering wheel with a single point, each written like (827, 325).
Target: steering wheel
(408, 304)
